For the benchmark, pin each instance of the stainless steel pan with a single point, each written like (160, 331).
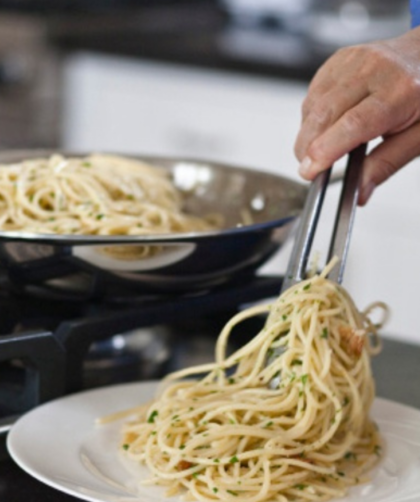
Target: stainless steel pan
(181, 262)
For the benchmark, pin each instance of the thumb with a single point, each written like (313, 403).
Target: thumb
(387, 158)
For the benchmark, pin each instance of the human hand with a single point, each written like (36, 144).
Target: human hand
(359, 94)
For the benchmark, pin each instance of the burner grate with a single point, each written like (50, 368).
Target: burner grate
(43, 356)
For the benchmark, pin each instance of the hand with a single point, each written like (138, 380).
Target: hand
(359, 94)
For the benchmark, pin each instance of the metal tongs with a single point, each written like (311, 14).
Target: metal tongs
(343, 221)
(343, 224)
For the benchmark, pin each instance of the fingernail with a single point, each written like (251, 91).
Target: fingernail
(305, 166)
(367, 191)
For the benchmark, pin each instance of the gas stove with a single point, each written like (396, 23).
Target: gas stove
(50, 346)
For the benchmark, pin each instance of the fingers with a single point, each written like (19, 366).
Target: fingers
(320, 111)
(335, 89)
(387, 158)
(359, 94)
(367, 120)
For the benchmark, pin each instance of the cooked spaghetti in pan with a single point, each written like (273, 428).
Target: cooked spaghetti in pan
(93, 195)
(230, 436)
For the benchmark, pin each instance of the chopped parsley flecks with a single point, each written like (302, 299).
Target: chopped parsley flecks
(296, 362)
(235, 494)
(152, 416)
(346, 401)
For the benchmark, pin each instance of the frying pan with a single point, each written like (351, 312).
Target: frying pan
(258, 211)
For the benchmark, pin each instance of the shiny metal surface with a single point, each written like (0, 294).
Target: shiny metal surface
(179, 262)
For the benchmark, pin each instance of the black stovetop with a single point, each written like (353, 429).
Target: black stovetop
(46, 342)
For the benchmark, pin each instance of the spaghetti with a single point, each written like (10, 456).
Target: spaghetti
(229, 436)
(97, 195)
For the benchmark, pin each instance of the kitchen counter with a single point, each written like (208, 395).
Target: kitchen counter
(397, 373)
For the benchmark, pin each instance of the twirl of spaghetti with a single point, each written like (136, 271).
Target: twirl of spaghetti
(228, 436)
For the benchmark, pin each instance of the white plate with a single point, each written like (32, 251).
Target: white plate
(58, 444)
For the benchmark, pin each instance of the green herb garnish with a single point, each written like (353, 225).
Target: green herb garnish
(296, 362)
(235, 494)
(346, 401)
(152, 416)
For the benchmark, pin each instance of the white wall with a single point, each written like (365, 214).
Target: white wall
(141, 107)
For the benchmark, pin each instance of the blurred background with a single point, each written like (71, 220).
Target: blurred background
(221, 80)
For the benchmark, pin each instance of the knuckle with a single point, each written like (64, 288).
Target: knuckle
(383, 114)
(345, 54)
(321, 114)
(353, 122)
(357, 55)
